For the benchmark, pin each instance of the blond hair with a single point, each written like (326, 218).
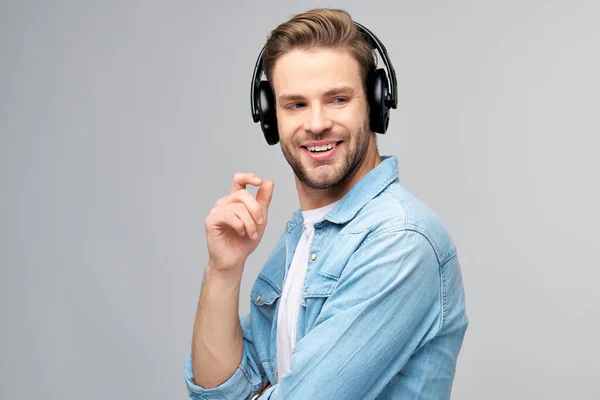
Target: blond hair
(319, 27)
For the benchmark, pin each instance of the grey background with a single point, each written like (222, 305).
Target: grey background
(123, 122)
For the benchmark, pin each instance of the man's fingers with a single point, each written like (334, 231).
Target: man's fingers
(235, 216)
(241, 179)
(264, 195)
(244, 197)
(258, 208)
(242, 213)
(225, 217)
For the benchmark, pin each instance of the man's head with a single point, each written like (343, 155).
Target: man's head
(317, 64)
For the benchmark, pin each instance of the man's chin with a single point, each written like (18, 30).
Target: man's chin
(316, 174)
(317, 178)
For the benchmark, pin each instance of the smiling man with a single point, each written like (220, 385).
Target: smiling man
(362, 297)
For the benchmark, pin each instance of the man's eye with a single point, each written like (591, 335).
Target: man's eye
(295, 106)
(340, 100)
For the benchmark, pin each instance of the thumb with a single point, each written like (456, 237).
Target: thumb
(264, 196)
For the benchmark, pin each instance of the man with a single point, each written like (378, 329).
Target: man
(362, 297)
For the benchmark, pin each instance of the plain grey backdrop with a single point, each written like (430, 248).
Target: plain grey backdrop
(122, 122)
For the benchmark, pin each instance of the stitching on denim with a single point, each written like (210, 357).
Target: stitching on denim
(432, 242)
(422, 231)
(408, 227)
(264, 303)
(383, 183)
(376, 233)
(319, 295)
(441, 268)
(343, 234)
(245, 372)
(268, 281)
(391, 193)
(328, 276)
(444, 301)
(320, 235)
(263, 370)
(444, 291)
(293, 222)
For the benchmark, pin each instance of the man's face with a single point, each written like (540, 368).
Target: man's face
(321, 101)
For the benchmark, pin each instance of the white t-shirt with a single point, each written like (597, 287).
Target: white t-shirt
(289, 306)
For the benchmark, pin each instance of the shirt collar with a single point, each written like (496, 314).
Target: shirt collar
(363, 191)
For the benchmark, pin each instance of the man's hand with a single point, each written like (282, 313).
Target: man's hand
(236, 223)
(218, 342)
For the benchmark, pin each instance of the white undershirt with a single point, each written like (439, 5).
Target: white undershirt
(289, 306)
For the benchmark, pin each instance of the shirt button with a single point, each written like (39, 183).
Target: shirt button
(258, 298)
(313, 256)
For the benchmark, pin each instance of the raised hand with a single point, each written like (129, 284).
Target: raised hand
(236, 223)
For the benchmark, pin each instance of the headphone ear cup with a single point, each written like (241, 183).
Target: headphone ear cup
(377, 92)
(266, 109)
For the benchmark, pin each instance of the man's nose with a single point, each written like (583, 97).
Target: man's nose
(317, 121)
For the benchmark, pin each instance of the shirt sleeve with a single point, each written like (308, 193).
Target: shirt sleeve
(386, 304)
(245, 382)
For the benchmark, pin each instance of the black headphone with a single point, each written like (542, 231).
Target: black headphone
(380, 97)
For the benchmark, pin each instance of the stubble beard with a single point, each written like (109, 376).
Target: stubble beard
(329, 174)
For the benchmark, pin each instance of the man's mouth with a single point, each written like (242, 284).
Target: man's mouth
(322, 152)
(321, 149)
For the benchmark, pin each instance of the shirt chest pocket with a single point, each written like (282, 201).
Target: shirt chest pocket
(265, 296)
(314, 296)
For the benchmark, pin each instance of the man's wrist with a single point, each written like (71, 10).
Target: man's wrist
(225, 275)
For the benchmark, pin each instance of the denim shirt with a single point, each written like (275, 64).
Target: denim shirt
(382, 314)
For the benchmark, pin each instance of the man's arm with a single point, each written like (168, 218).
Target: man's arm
(234, 227)
(387, 303)
(217, 341)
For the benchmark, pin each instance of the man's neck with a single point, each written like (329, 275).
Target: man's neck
(311, 199)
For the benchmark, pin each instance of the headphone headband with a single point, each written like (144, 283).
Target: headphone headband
(258, 69)
(391, 100)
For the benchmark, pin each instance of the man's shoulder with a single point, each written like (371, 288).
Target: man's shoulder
(396, 209)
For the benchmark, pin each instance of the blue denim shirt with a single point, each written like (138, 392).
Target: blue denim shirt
(383, 307)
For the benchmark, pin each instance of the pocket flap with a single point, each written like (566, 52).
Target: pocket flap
(264, 292)
(320, 287)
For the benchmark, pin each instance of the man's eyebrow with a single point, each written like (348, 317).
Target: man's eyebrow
(338, 90)
(331, 92)
(289, 97)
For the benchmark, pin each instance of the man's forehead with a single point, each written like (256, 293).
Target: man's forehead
(320, 68)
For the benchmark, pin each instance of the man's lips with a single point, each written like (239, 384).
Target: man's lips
(322, 155)
(321, 143)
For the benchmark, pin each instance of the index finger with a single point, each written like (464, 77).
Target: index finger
(241, 179)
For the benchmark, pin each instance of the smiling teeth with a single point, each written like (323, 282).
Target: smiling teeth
(321, 148)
